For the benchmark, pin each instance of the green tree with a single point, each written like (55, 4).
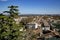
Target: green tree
(13, 11)
(9, 30)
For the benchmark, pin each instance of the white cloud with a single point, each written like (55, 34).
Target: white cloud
(3, 0)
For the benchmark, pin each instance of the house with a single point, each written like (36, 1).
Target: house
(45, 25)
(32, 25)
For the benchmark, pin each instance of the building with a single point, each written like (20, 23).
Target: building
(32, 25)
(45, 25)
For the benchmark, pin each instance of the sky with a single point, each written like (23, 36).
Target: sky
(32, 6)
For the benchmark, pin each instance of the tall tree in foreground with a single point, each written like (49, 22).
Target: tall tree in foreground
(9, 30)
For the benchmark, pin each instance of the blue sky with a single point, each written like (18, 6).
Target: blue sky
(33, 6)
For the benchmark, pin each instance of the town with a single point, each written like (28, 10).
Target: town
(40, 26)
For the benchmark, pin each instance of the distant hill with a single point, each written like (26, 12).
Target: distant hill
(40, 15)
(37, 15)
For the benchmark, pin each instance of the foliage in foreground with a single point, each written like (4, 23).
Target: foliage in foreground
(9, 30)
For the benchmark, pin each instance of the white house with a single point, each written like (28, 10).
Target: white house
(46, 25)
(32, 25)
